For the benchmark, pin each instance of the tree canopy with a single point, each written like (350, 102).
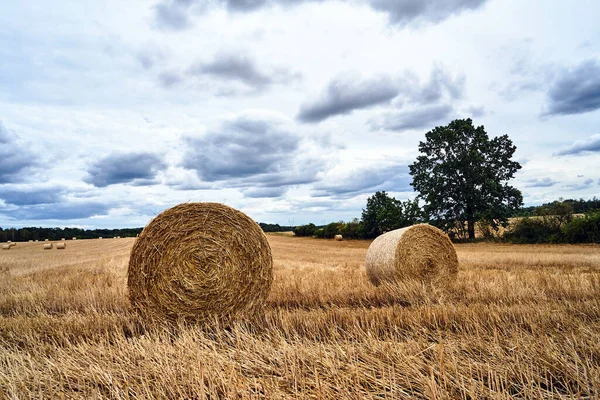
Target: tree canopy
(384, 213)
(462, 175)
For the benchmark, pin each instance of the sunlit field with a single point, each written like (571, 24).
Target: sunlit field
(520, 322)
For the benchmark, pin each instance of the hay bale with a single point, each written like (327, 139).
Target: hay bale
(200, 261)
(30, 241)
(6, 247)
(61, 246)
(45, 240)
(12, 244)
(339, 238)
(74, 238)
(100, 238)
(48, 246)
(419, 252)
(63, 239)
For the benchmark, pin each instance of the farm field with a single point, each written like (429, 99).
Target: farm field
(520, 322)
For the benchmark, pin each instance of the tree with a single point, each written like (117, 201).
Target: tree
(463, 176)
(384, 213)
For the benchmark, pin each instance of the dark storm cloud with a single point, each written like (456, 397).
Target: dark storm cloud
(344, 95)
(26, 196)
(404, 12)
(175, 14)
(424, 117)
(580, 186)
(581, 147)
(265, 192)
(255, 151)
(57, 211)
(132, 168)
(543, 182)
(169, 79)
(393, 178)
(15, 159)
(575, 90)
(239, 67)
(243, 147)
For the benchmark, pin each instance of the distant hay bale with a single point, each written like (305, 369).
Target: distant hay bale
(45, 240)
(48, 246)
(339, 238)
(63, 239)
(6, 247)
(100, 238)
(61, 246)
(200, 261)
(118, 237)
(30, 241)
(74, 238)
(419, 252)
(12, 244)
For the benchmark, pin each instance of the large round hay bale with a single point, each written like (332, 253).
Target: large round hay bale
(6, 247)
(12, 244)
(339, 238)
(419, 252)
(61, 246)
(48, 246)
(200, 261)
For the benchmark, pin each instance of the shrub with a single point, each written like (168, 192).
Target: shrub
(583, 230)
(534, 230)
(305, 230)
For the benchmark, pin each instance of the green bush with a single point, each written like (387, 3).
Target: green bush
(583, 230)
(534, 230)
(305, 230)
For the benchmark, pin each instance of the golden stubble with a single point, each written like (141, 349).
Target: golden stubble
(520, 321)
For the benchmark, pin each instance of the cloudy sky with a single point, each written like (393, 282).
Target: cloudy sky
(293, 111)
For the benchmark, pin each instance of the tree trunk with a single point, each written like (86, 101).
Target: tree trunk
(471, 227)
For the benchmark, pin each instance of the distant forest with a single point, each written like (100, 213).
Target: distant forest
(580, 206)
(33, 233)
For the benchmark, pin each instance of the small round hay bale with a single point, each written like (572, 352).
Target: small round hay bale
(48, 246)
(30, 241)
(100, 238)
(339, 238)
(200, 261)
(6, 247)
(74, 238)
(419, 252)
(45, 240)
(61, 246)
(12, 244)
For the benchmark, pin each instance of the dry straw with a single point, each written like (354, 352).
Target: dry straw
(200, 261)
(339, 238)
(419, 252)
(61, 246)
(48, 246)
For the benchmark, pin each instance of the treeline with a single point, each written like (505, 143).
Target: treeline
(37, 233)
(556, 223)
(580, 206)
(275, 227)
(553, 222)
(383, 213)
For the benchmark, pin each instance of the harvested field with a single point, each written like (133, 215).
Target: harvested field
(520, 321)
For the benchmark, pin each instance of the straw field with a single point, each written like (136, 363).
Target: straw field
(519, 322)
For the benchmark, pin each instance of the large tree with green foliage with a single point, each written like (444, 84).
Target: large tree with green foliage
(462, 175)
(384, 213)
